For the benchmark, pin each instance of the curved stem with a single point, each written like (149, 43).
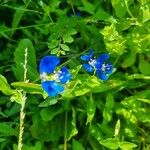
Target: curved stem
(128, 10)
(71, 3)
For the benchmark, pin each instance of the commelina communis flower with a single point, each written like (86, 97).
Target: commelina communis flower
(53, 81)
(100, 65)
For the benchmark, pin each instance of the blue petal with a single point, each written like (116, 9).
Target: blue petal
(108, 68)
(48, 64)
(102, 58)
(78, 14)
(51, 88)
(87, 57)
(88, 68)
(102, 75)
(64, 75)
(98, 64)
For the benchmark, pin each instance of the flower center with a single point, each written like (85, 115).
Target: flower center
(103, 67)
(106, 68)
(43, 76)
(92, 62)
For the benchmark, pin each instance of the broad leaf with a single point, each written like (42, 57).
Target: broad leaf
(19, 59)
(4, 86)
(28, 87)
(71, 126)
(91, 108)
(77, 145)
(111, 143)
(7, 130)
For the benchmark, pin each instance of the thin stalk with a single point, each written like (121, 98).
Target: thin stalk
(128, 10)
(71, 3)
(22, 113)
(65, 133)
(24, 27)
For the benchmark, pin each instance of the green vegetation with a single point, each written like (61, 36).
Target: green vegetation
(90, 114)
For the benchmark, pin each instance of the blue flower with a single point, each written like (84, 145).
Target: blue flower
(91, 62)
(104, 72)
(88, 57)
(52, 81)
(48, 64)
(52, 88)
(102, 68)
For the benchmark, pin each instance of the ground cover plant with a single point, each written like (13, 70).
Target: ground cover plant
(74, 74)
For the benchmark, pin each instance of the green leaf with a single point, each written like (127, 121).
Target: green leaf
(77, 91)
(88, 7)
(63, 52)
(49, 101)
(17, 97)
(67, 38)
(144, 66)
(77, 145)
(7, 130)
(48, 114)
(111, 143)
(71, 126)
(28, 87)
(129, 59)
(17, 17)
(144, 13)
(54, 51)
(95, 131)
(47, 131)
(91, 108)
(120, 7)
(117, 128)
(53, 44)
(108, 110)
(127, 145)
(2, 140)
(19, 59)
(4, 86)
(71, 31)
(103, 15)
(65, 47)
(124, 24)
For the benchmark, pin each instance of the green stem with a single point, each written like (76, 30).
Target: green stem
(22, 113)
(65, 133)
(128, 10)
(21, 128)
(25, 27)
(138, 76)
(21, 8)
(71, 3)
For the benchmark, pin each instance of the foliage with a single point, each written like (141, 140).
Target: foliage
(90, 114)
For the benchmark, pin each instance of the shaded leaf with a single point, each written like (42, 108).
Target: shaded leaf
(17, 17)
(7, 130)
(144, 65)
(48, 114)
(48, 102)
